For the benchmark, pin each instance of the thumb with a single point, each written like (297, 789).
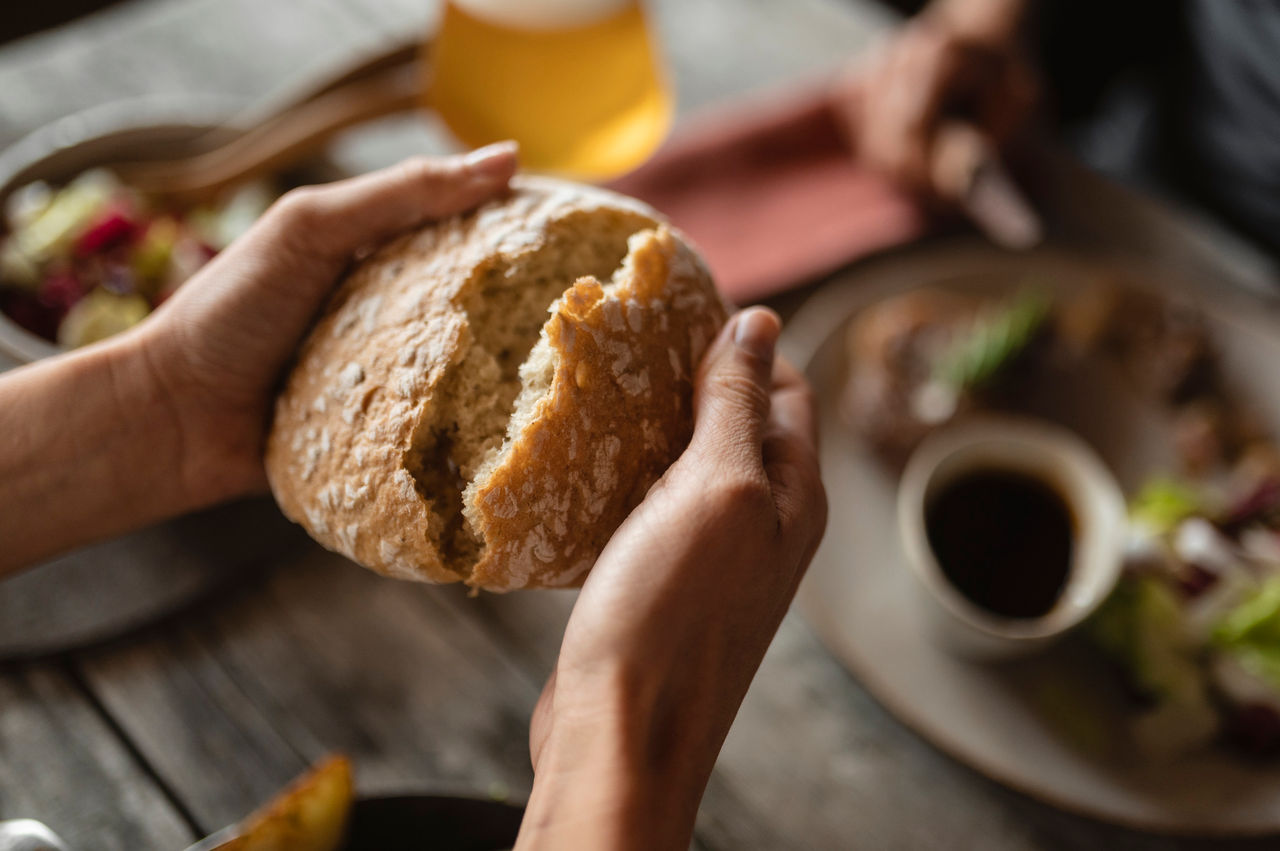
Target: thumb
(731, 399)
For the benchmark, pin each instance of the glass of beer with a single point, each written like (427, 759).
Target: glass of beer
(577, 83)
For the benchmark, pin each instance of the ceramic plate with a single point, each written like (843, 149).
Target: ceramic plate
(1051, 726)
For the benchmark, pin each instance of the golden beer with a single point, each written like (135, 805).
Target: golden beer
(576, 82)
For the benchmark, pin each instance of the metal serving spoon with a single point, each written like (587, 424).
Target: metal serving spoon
(283, 132)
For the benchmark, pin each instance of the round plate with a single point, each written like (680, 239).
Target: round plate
(1052, 726)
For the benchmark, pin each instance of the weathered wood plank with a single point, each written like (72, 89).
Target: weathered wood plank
(322, 657)
(240, 49)
(61, 763)
(189, 719)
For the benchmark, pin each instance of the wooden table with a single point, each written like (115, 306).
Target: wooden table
(159, 739)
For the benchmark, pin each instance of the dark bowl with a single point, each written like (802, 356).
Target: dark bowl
(418, 823)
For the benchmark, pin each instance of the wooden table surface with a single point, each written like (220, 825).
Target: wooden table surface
(159, 739)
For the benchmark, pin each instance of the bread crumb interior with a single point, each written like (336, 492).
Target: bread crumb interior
(506, 305)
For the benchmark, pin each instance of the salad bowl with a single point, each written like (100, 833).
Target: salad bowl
(135, 129)
(79, 234)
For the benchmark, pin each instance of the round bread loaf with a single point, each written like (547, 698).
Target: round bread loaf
(486, 399)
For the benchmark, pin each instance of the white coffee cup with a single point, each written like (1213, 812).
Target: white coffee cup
(1041, 451)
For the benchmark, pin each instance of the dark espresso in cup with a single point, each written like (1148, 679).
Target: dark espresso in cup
(1004, 539)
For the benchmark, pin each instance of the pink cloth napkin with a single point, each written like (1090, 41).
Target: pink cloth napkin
(770, 192)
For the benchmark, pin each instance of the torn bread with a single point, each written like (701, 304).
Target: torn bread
(485, 400)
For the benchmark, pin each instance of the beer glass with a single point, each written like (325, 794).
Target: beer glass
(578, 83)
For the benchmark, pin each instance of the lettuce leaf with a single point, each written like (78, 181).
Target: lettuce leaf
(1163, 503)
(1143, 626)
(1251, 632)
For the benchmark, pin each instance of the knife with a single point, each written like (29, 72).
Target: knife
(967, 169)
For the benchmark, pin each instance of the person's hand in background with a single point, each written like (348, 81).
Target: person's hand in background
(172, 415)
(957, 61)
(676, 615)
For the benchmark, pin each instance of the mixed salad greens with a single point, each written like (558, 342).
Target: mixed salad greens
(1195, 622)
(993, 341)
(922, 359)
(1193, 626)
(92, 258)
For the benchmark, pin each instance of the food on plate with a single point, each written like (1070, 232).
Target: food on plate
(1195, 621)
(1160, 342)
(926, 358)
(486, 399)
(1193, 626)
(920, 360)
(310, 814)
(93, 258)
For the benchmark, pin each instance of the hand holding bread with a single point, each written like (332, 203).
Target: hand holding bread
(509, 398)
(487, 398)
(677, 614)
(218, 347)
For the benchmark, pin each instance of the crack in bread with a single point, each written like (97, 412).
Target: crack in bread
(443, 423)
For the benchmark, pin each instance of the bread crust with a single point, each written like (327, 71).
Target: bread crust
(338, 455)
(619, 411)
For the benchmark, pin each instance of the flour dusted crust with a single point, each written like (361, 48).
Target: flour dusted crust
(618, 412)
(365, 418)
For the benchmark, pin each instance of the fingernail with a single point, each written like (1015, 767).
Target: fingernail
(757, 332)
(491, 160)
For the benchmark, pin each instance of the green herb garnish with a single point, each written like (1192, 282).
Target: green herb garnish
(993, 342)
(1163, 503)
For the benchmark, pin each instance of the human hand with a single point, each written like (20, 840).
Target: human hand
(676, 615)
(219, 346)
(959, 61)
